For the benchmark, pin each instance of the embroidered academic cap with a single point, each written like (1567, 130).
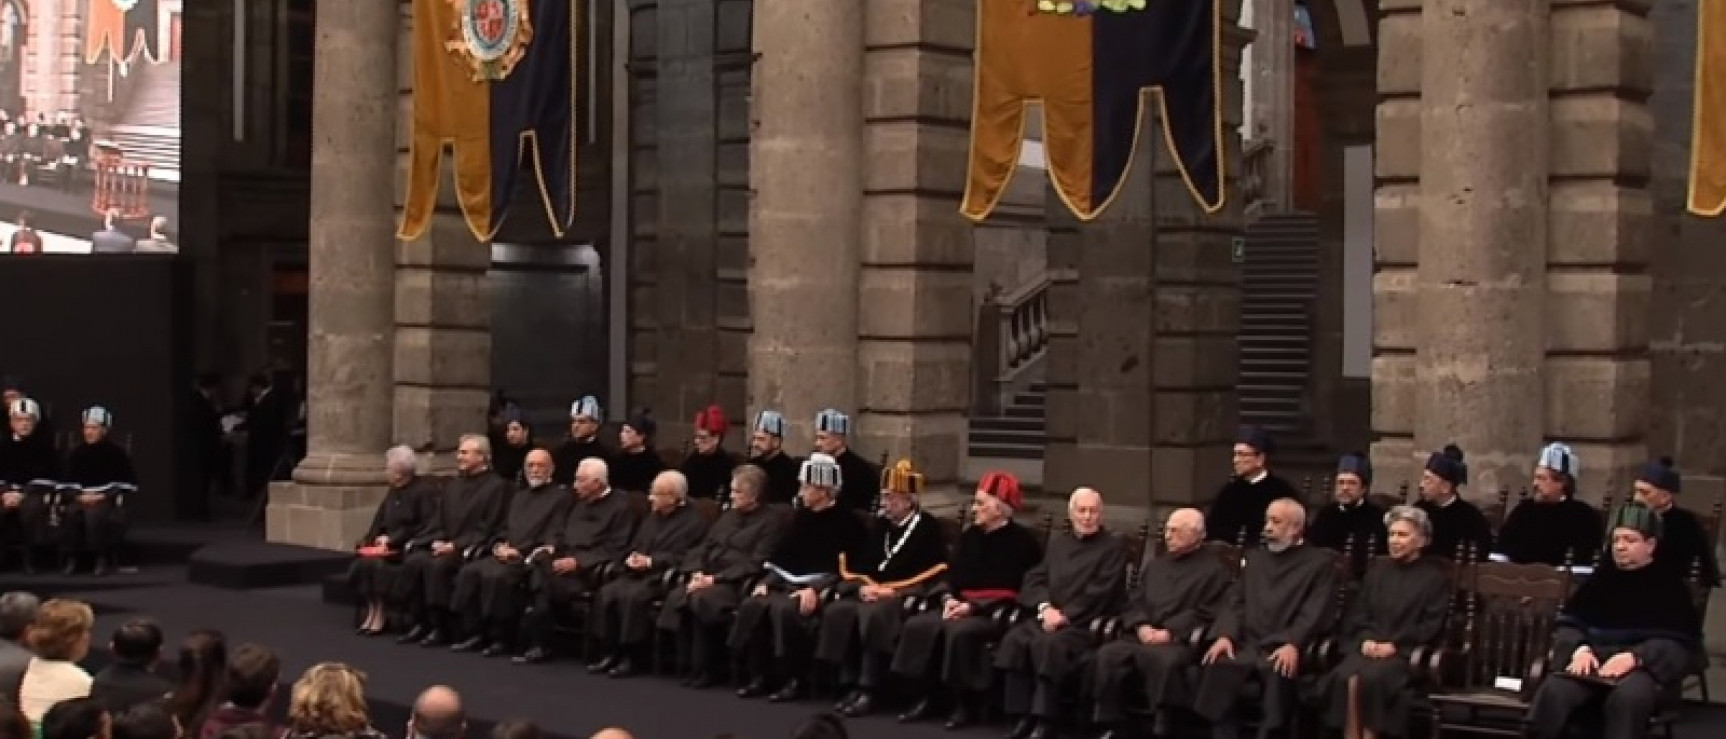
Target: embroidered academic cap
(98, 415)
(1559, 458)
(1660, 473)
(1448, 465)
(1255, 437)
(833, 422)
(1004, 487)
(711, 420)
(643, 423)
(1355, 464)
(821, 470)
(903, 479)
(771, 423)
(1638, 518)
(25, 407)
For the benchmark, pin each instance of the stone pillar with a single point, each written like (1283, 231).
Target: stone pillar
(1273, 72)
(914, 315)
(352, 258)
(804, 224)
(1463, 145)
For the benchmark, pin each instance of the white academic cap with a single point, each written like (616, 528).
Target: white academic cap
(588, 406)
(26, 407)
(98, 415)
(1559, 458)
(833, 422)
(822, 471)
(771, 423)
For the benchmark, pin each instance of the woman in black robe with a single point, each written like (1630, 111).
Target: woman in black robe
(1401, 607)
(407, 508)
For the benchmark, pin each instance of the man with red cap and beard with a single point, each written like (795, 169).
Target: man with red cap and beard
(708, 467)
(943, 649)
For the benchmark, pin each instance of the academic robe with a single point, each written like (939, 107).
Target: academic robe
(1404, 604)
(1180, 594)
(709, 475)
(621, 609)
(1552, 533)
(1683, 544)
(1237, 516)
(1454, 525)
(860, 635)
(488, 591)
(769, 629)
(507, 460)
(568, 455)
(986, 572)
(634, 471)
(860, 481)
(468, 510)
(403, 511)
(596, 534)
(106, 468)
(1648, 612)
(1084, 577)
(733, 552)
(1280, 599)
(31, 466)
(781, 469)
(1357, 527)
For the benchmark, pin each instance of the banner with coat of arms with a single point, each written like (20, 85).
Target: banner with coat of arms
(1708, 136)
(1091, 72)
(125, 30)
(494, 83)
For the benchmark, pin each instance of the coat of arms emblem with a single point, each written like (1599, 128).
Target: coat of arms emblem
(491, 36)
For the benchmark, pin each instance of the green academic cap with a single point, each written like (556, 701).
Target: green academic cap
(1638, 518)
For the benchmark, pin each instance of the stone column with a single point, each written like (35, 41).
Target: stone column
(806, 155)
(1462, 268)
(1273, 72)
(915, 318)
(352, 259)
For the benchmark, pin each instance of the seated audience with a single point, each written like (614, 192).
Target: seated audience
(438, 714)
(253, 672)
(61, 638)
(1625, 639)
(131, 679)
(17, 612)
(145, 721)
(203, 670)
(76, 718)
(329, 702)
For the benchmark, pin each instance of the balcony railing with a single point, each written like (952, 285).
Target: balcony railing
(1012, 335)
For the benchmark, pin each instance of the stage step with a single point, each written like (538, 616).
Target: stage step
(253, 564)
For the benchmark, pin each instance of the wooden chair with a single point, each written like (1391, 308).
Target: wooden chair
(1490, 671)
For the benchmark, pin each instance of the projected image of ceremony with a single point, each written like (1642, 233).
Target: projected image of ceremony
(89, 126)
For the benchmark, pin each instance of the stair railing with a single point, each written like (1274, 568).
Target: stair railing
(1254, 182)
(1012, 335)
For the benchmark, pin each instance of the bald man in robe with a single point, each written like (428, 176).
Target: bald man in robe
(1282, 600)
(1082, 578)
(489, 591)
(1179, 592)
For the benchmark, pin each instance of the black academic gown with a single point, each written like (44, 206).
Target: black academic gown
(733, 552)
(469, 509)
(1455, 525)
(709, 475)
(634, 471)
(1280, 599)
(769, 629)
(1402, 603)
(1685, 545)
(1568, 530)
(1647, 612)
(987, 570)
(508, 459)
(622, 614)
(488, 591)
(596, 534)
(401, 514)
(31, 466)
(1357, 527)
(568, 455)
(1237, 516)
(1180, 594)
(860, 481)
(782, 484)
(859, 635)
(105, 468)
(1085, 579)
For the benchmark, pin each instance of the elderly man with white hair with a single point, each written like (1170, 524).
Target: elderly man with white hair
(1083, 577)
(622, 612)
(593, 537)
(407, 506)
(489, 590)
(468, 511)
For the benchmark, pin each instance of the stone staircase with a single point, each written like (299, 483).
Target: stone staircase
(148, 131)
(1279, 280)
(1018, 432)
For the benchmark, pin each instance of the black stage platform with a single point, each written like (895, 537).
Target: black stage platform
(561, 697)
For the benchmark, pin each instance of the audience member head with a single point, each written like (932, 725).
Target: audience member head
(613, 733)
(401, 464)
(253, 671)
(825, 725)
(329, 698)
(537, 468)
(1285, 522)
(998, 497)
(1184, 531)
(747, 483)
(137, 643)
(438, 714)
(61, 630)
(147, 720)
(203, 670)
(516, 730)
(17, 612)
(1085, 511)
(592, 478)
(669, 490)
(1408, 530)
(79, 718)
(13, 723)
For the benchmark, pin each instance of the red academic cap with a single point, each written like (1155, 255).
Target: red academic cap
(1004, 487)
(711, 420)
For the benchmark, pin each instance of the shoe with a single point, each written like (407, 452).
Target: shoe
(604, 665)
(435, 639)
(1023, 728)
(960, 718)
(624, 668)
(497, 649)
(472, 644)
(792, 690)
(921, 710)
(415, 634)
(755, 688)
(1042, 732)
(71, 567)
(703, 680)
(1108, 734)
(859, 707)
(102, 567)
(533, 656)
(845, 701)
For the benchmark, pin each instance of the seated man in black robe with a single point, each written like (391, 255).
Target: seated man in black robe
(1401, 607)
(1238, 513)
(902, 558)
(469, 508)
(774, 626)
(1553, 527)
(715, 573)
(943, 651)
(1178, 592)
(767, 451)
(409, 502)
(488, 590)
(1458, 527)
(832, 434)
(635, 463)
(585, 418)
(99, 477)
(1082, 577)
(708, 466)
(621, 617)
(1685, 545)
(1280, 603)
(594, 537)
(1353, 523)
(1625, 639)
(29, 474)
